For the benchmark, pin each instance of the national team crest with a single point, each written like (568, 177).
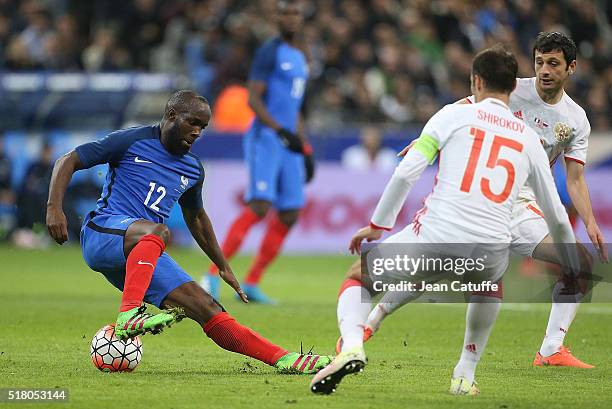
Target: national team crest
(184, 182)
(562, 132)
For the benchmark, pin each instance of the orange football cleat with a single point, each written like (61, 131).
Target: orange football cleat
(562, 358)
(367, 334)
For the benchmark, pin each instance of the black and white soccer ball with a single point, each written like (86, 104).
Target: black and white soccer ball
(111, 354)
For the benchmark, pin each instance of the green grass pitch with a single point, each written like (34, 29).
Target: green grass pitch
(52, 304)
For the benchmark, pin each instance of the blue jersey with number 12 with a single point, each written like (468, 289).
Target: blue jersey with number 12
(144, 180)
(284, 70)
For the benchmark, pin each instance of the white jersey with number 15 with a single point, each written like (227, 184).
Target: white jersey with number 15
(486, 155)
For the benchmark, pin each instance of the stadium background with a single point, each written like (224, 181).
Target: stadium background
(71, 71)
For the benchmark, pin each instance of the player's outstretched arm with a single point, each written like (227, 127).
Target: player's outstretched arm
(202, 231)
(63, 170)
(579, 193)
(394, 196)
(405, 175)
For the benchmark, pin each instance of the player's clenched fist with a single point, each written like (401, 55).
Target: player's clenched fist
(57, 224)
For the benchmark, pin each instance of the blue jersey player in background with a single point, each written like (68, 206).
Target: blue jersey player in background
(124, 237)
(278, 159)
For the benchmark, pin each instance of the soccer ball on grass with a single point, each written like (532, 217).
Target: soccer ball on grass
(111, 354)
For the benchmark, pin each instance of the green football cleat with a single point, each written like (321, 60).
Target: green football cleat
(349, 362)
(136, 322)
(297, 363)
(461, 386)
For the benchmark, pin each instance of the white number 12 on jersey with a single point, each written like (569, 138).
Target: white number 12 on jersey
(161, 190)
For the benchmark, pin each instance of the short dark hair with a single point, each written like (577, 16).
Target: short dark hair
(497, 67)
(180, 100)
(555, 41)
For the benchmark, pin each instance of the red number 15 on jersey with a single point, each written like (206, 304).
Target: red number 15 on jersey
(493, 161)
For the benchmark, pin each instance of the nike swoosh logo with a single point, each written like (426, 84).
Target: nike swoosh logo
(145, 263)
(286, 66)
(138, 160)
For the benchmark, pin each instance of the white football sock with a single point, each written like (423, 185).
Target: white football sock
(390, 302)
(354, 305)
(377, 315)
(479, 319)
(561, 316)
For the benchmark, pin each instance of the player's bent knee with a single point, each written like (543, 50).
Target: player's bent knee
(163, 232)
(141, 228)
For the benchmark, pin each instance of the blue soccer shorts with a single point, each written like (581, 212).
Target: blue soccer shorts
(102, 239)
(276, 174)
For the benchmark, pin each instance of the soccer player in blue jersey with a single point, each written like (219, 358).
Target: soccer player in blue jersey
(277, 156)
(124, 238)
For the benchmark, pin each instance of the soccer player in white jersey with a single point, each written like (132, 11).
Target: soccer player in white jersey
(563, 129)
(488, 154)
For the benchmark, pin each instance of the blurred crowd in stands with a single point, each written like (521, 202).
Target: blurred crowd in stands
(392, 61)
(22, 210)
(23, 205)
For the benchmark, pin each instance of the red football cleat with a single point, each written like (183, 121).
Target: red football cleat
(562, 358)
(367, 334)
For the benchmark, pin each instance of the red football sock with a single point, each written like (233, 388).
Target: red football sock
(139, 270)
(270, 246)
(236, 234)
(231, 336)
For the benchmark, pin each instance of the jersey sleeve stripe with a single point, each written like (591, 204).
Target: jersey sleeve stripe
(377, 227)
(574, 159)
